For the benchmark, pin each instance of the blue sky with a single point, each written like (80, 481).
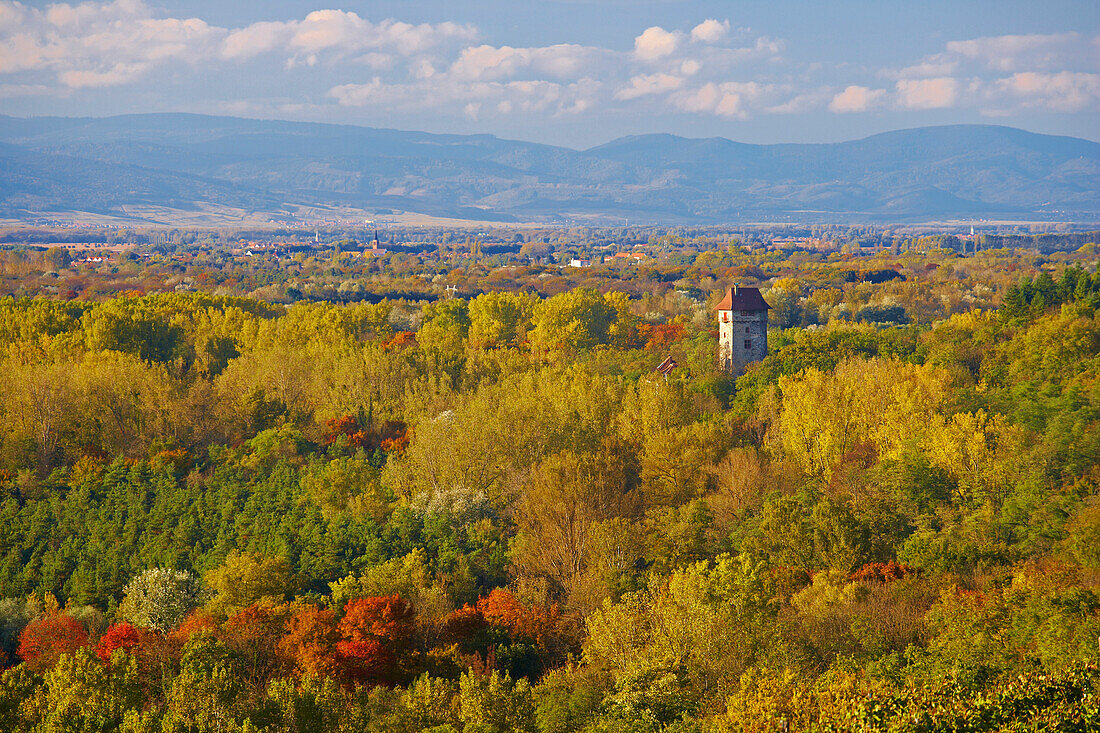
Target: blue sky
(568, 72)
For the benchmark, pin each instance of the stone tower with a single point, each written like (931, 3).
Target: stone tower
(742, 329)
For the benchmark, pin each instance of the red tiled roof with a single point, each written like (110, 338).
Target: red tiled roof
(743, 299)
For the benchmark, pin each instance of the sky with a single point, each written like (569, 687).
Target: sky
(567, 72)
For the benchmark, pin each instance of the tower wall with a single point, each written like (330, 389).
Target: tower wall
(735, 328)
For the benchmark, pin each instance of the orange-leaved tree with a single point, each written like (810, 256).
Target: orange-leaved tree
(196, 621)
(372, 631)
(255, 633)
(386, 618)
(310, 641)
(501, 608)
(464, 625)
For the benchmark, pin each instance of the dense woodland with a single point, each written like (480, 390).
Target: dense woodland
(489, 514)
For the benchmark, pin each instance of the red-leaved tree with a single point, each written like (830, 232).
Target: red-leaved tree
(386, 618)
(45, 639)
(120, 636)
(367, 661)
(198, 620)
(463, 625)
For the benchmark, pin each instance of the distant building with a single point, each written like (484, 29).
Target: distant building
(742, 329)
(578, 262)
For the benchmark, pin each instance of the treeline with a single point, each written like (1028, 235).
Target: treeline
(491, 515)
(1034, 295)
(1044, 243)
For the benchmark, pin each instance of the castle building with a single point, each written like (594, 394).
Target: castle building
(742, 329)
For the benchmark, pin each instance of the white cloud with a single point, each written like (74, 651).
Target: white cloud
(1007, 54)
(359, 95)
(340, 32)
(1065, 91)
(105, 44)
(857, 99)
(380, 61)
(1002, 75)
(646, 84)
(444, 93)
(800, 103)
(710, 30)
(92, 44)
(1019, 52)
(488, 62)
(563, 61)
(119, 74)
(62, 48)
(940, 64)
(933, 93)
(762, 49)
(25, 90)
(422, 69)
(655, 43)
(728, 99)
(256, 39)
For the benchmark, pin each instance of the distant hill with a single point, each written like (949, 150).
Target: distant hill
(190, 162)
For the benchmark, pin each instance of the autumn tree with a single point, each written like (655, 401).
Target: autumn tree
(700, 627)
(245, 579)
(122, 635)
(884, 403)
(442, 338)
(371, 632)
(254, 633)
(310, 641)
(500, 319)
(82, 693)
(561, 505)
(523, 622)
(580, 319)
(46, 639)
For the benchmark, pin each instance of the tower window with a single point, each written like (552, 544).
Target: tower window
(748, 344)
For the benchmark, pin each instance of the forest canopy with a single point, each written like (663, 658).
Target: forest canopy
(492, 514)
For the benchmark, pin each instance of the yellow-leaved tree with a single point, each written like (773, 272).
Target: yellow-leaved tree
(884, 403)
(246, 578)
(580, 319)
(500, 319)
(979, 450)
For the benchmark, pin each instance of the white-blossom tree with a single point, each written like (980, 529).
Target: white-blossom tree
(160, 599)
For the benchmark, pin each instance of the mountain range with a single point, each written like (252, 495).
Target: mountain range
(158, 167)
